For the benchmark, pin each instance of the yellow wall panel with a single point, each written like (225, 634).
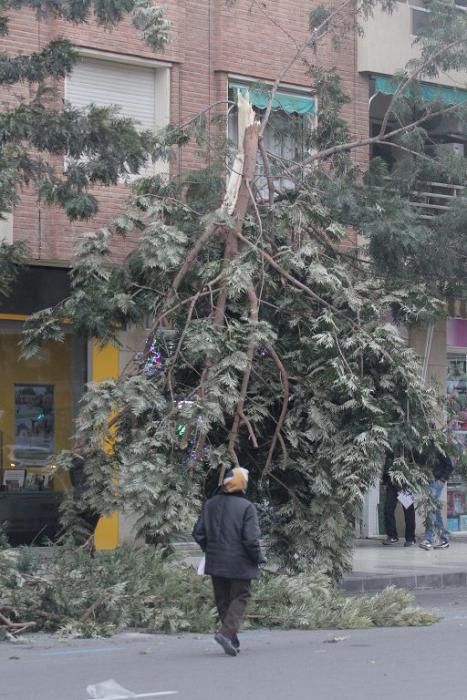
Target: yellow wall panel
(107, 532)
(106, 365)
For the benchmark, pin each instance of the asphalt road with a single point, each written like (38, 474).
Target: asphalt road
(380, 664)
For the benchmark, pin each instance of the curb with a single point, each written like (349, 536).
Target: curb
(375, 584)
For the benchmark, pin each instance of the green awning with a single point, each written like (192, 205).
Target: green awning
(285, 101)
(429, 92)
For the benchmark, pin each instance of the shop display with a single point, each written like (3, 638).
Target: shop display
(456, 389)
(38, 398)
(13, 479)
(455, 502)
(34, 424)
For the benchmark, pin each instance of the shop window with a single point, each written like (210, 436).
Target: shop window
(457, 398)
(38, 401)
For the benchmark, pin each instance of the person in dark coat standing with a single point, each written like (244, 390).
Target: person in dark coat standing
(390, 503)
(228, 533)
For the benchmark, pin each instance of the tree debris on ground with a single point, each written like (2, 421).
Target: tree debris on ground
(64, 590)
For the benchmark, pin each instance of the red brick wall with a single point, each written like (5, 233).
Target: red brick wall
(208, 40)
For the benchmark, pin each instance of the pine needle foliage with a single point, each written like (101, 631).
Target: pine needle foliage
(68, 592)
(279, 339)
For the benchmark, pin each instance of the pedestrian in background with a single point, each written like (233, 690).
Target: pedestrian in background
(442, 470)
(228, 533)
(393, 493)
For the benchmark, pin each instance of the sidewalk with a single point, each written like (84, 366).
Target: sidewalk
(376, 566)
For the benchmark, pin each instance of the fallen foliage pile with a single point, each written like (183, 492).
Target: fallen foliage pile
(65, 590)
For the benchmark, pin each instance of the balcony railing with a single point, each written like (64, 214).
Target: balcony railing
(434, 198)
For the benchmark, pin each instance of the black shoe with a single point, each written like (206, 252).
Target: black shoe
(226, 644)
(236, 643)
(390, 540)
(444, 544)
(409, 543)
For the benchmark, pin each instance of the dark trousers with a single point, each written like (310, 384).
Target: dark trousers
(231, 596)
(390, 519)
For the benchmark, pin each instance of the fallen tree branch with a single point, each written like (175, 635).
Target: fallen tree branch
(239, 411)
(282, 416)
(293, 280)
(267, 171)
(15, 627)
(173, 359)
(249, 427)
(92, 608)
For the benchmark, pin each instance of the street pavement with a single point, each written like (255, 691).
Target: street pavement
(378, 664)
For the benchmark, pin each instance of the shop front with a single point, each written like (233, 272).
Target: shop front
(456, 389)
(38, 400)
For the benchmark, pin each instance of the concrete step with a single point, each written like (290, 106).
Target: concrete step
(368, 583)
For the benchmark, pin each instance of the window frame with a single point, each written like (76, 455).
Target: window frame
(414, 6)
(162, 97)
(310, 121)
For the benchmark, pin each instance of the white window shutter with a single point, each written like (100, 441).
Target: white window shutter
(108, 83)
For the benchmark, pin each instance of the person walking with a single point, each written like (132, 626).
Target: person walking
(442, 470)
(228, 533)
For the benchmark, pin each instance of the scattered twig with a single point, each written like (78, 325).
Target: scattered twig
(233, 436)
(92, 608)
(249, 427)
(15, 628)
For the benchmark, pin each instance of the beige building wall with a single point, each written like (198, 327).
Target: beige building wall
(433, 351)
(436, 354)
(387, 45)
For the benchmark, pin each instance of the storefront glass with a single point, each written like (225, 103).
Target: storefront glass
(38, 400)
(457, 398)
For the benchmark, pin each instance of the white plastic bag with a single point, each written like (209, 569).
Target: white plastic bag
(201, 567)
(109, 689)
(406, 499)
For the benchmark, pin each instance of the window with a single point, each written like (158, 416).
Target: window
(419, 20)
(38, 401)
(420, 15)
(285, 136)
(140, 91)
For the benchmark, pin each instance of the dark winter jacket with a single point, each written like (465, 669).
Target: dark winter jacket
(443, 467)
(228, 532)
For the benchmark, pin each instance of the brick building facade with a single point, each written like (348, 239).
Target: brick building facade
(212, 43)
(210, 40)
